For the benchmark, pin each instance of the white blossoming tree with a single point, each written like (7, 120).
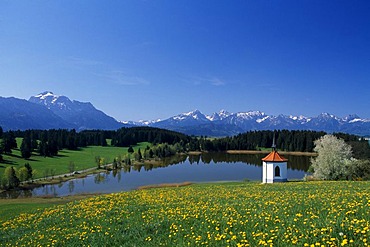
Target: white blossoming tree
(334, 158)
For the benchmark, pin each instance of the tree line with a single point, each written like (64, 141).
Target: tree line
(125, 137)
(286, 140)
(49, 142)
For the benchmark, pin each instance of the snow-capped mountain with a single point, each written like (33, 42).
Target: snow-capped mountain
(19, 114)
(226, 123)
(185, 119)
(219, 116)
(80, 114)
(47, 110)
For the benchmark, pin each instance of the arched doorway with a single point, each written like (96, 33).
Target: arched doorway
(277, 171)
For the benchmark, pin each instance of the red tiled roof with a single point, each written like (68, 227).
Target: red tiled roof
(274, 157)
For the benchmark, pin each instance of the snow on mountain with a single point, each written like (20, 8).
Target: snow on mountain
(44, 95)
(301, 119)
(218, 116)
(359, 120)
(245, 120)
(19, 114)
(184, 119)
(81, 114)
(48, 110)
(351, 117)
(327, 116)
(196, 114)
(260, 120)
(52, 101)
(250, 114)
(141, 122)
(197, 123)
(189, 116)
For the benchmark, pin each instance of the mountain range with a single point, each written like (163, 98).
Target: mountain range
(225, 123)
(49, 111)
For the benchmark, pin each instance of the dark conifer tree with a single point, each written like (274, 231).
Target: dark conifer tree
(42, 148)
(52, 147)
(26, 148)
(71, 140)
(103, 140)
(29, 171)
(8, 142)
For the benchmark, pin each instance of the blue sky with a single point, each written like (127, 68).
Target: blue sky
(154, 59)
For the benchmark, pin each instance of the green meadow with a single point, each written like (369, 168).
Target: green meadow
(221, 214)
(83, 158)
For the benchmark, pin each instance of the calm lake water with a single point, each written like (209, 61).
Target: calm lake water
(193, 168)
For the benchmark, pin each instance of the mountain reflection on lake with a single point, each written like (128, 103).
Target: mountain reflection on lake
(207, 167)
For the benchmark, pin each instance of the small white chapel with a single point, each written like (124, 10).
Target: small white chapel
(274, 167)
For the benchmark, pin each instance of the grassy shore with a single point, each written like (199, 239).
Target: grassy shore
(82, 159)
(10, 208)
(220, 214)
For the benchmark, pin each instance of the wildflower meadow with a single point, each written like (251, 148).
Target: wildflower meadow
(221, 214)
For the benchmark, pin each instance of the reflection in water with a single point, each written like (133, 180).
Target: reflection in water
(119, 175)
(71, 186)
(126, 168)
(99, 178)
(180, 168)
(300, 163)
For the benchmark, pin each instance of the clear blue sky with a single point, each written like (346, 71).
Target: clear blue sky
(154, 59)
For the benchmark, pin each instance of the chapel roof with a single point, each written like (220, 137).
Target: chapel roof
(274, 156)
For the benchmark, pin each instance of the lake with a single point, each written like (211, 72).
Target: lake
(209, 167)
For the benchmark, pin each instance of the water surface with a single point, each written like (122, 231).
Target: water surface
(208, 167)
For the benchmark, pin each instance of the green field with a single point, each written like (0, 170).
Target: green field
(83, 159)
(11, 208)
(224, 214)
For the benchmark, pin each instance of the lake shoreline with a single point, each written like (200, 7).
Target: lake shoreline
(62, 178)
(268, 151)
(296, 153)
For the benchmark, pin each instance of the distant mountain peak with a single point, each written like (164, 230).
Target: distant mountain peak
(54, 111)
(81, 114)
(326, 114)
(51, 100)
(45, 94)
(222, 114)
(195, 114)
(250, 114)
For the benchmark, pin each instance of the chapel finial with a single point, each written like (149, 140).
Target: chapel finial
(273, 143)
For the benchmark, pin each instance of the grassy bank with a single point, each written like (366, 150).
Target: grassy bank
(83, 159)
(10, 208)
(234, 214)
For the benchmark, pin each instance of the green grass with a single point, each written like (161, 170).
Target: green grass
(83, 158)
(222, 214)
(10, 208)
